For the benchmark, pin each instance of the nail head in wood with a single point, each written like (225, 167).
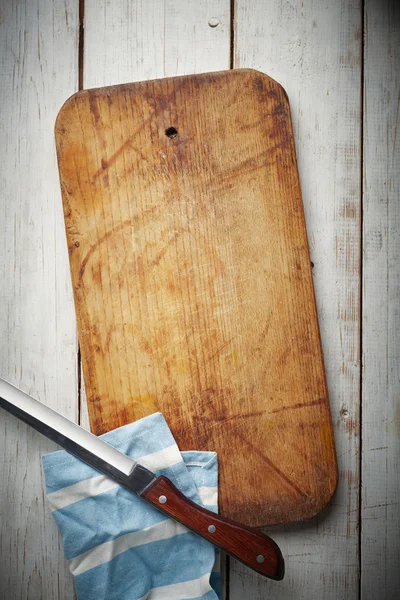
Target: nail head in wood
(162, 499)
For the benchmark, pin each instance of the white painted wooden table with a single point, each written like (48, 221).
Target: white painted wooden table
(339, 62)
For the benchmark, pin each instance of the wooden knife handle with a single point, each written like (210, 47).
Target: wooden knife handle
(251, 547)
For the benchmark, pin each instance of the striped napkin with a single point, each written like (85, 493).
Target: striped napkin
(119, 547)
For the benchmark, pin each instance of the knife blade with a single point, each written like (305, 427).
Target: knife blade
(250, 546)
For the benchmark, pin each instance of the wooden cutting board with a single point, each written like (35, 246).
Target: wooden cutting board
(192, 280)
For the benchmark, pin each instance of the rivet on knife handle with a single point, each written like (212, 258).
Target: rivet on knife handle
(248, 545)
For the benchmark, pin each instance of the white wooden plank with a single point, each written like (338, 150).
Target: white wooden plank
(313, 48)
(128, 41)
(38, 54)
(380, 549)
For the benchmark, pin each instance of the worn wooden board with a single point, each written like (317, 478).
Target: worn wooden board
(38, 341)
(314, 49)
(192, 280)
(380, 508)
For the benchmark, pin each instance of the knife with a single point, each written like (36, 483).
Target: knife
(251, 547)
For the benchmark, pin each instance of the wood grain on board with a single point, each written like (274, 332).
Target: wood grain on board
(129, 41)
(192, 280)
(313, 48)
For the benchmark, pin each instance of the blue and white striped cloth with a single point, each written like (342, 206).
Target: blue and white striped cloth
(118, 546)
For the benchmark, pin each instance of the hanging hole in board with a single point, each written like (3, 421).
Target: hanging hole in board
(171, 132)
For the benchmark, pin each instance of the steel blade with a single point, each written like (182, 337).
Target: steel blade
(79, 442)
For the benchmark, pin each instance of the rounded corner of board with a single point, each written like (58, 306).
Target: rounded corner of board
(323, 501)
(64, 114)
(261, 80)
